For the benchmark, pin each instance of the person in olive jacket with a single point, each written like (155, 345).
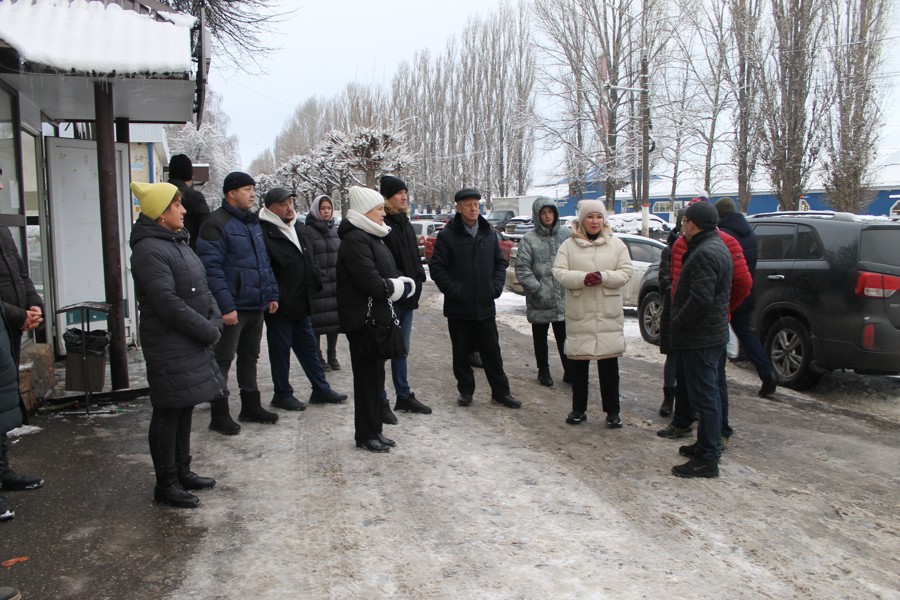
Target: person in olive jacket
(470, 270)
(325, 243)
(290, 328)
(367, 278)
(545, 298)
(404, 246)
(179, 324)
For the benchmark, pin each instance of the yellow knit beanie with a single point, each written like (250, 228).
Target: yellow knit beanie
(154, 198)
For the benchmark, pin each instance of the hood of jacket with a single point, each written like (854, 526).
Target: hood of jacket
(313, 214)
(145, 227)
(736, 223)
(536, 209)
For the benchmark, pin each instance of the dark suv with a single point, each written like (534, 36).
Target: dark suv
(826, 294)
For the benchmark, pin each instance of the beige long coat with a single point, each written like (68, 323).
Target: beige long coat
(594, 315)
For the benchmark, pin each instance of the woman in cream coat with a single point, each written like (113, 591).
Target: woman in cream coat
(593, 266)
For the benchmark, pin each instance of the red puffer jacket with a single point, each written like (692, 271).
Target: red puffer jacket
(741, 283)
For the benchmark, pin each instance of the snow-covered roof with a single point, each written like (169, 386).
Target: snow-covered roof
(87, 36)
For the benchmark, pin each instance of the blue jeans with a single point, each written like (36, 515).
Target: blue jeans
(398, 365)
(285, 335)
(699, 371)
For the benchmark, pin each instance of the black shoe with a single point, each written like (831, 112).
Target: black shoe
(289, 403)
(373, 446)
(697, 467)
(688, 451)
(175, 495)
(412, 405)
(768, 388)
(6, 511)
(224, 424)
(13, 482)
(671, 432)
(334, 364)
(475, 360)
(192, 481)
(575, 417)
(8, 593)
(507, 401)
(613, 421)
(387, 415)
(668, 402)
(386, 441)
(464, 399)
(257, 414)
(544, 378)
(326, 397)
(567, 378)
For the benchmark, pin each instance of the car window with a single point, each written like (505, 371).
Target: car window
(809, 246)
(648, 253)
(880, 246)
(774, 241)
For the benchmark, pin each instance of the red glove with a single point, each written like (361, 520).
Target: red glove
(592, 279)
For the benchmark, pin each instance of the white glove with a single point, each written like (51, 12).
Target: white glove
(398, 288)
(412, 286)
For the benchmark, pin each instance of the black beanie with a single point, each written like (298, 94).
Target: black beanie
(702, 214)
(180, 167)
(725, 207)
(236, 180)
(390, 185)
(466, 193)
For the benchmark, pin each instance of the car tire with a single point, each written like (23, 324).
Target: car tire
(790, 349)
(649, 313)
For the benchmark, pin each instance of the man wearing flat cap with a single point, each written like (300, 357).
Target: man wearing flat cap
(232, 249)
(699, 332)
(290, 327)
(470, 270)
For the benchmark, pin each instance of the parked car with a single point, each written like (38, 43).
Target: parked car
(422, 217)
(633, 222)
(507, 246)
(513, 224)
(644, 252)
(423, 229)
(826, 295)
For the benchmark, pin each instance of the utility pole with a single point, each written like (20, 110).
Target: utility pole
(645, 145)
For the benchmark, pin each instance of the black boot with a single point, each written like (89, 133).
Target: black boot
(221, 420)
(544, 377)
(325, 366)
(333, 360)
(252, 410)
(668, 402)
(190, 480)
(169, 491)
(387, 415)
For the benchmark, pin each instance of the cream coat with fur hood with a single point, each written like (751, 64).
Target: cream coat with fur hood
(594, 314)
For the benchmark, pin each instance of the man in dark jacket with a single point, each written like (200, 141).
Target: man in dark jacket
(470, 270)
(404, 247)
(232, 249)
(181, 175)
(735, 224)
(290, 328)
(699, 332)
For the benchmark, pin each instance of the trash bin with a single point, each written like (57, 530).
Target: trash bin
(85, 359)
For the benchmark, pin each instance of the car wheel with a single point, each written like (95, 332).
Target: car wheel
(790, 350)
(649, 313)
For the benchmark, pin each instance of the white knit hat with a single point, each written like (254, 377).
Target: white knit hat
(586, 207)
(362, 200)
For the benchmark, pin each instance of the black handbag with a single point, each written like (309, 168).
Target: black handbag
(386, 341)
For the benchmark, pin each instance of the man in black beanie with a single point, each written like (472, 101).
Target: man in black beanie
(181, 175)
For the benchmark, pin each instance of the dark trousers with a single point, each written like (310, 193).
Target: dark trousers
(241, 341)
(753, 348)
(699, 370)
(685, 413)
(539, 333)
(608, 372)
(170, 441)
(283, 336)
(368, 385)
(477, 336)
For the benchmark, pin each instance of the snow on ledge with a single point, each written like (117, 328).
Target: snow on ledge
(87, 36)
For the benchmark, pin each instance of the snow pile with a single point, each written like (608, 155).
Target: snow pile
(86, 36)
(632, 223)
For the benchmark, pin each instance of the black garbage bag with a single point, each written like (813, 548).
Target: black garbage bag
(95, 342)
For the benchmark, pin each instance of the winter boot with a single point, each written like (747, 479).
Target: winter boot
(190, 480)
(387, 415)
(412, 405)
(221, 420)
(544, 377)
(325, 366)
(332, 360)
(668, 402)
(169, 491)
(6, 511)
(8, 593)
(252, 410)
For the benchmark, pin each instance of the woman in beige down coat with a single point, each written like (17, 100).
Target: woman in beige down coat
(593, 266)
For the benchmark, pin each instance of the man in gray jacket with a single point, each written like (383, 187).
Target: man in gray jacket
(545, 299)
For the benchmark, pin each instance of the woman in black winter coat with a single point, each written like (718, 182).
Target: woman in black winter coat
(179, 323)
(366, 278)
(324, 235)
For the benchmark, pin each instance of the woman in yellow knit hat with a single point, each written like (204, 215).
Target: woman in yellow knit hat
(179, 323)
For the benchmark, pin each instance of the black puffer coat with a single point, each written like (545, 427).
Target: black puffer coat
(195, 206)
(469, 271)
(702, 294)
(16, 288)
(364, 266)
(179, 319)
(10, 407)
(325, 244)
(404, 246)
(739, 228)
(295, 271)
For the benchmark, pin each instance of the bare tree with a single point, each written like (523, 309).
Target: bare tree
(264, 163)
(856, 38)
